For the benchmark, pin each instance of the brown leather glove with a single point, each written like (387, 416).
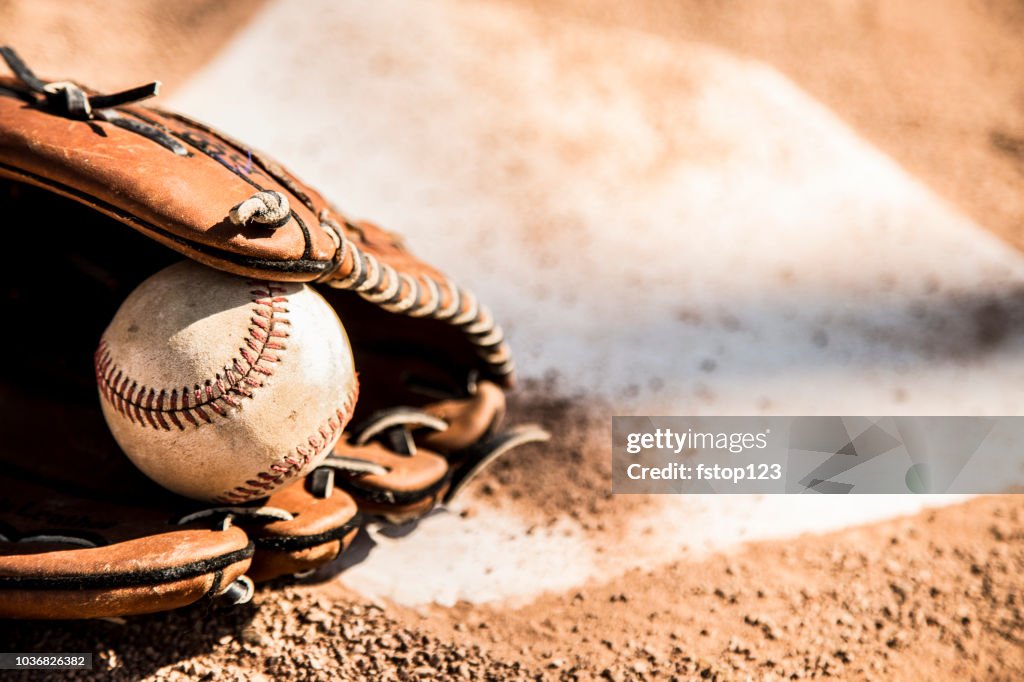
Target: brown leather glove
(97, 194)
(84, 534)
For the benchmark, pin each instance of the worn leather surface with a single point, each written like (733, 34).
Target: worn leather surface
(412, 486)
(415, 483)
(93, 208)
(141, 561)
(322, 527)
(408, 475)
(401, 361)
(183, 201)
(469, 420)
(113, 601)
(62, 474)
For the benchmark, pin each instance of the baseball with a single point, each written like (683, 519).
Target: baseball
(223, 388)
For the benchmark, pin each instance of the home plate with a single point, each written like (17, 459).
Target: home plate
(663, 228)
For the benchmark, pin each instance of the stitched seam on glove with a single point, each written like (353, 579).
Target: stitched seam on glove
(291, 543)
(384, 286)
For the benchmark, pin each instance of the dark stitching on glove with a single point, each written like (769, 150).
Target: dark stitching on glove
(188, 247)
(267, 165)
(292, 543)
(218, 579)
(278, 176)
(153, 133)
(371, 280)
(155, 576)
(165, 408)
(360, 491)
(20, 95)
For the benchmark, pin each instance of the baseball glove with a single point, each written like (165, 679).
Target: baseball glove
(99, 193)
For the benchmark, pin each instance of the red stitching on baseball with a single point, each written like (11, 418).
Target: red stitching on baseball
(292, 464)
(147, 406)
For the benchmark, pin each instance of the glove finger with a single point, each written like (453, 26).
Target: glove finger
(397, 487)
(470, 420)
(321, 523)
(67, 556)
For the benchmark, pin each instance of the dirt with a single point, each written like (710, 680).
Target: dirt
(937, 595)
(117, 44)
(935, 85)
(566, 477)
(933, 596)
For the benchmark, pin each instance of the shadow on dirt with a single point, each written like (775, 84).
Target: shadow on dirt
(130, 649)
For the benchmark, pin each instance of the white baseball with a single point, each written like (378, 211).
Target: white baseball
(222, 388)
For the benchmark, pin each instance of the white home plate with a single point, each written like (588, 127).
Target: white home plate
(669, 228)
